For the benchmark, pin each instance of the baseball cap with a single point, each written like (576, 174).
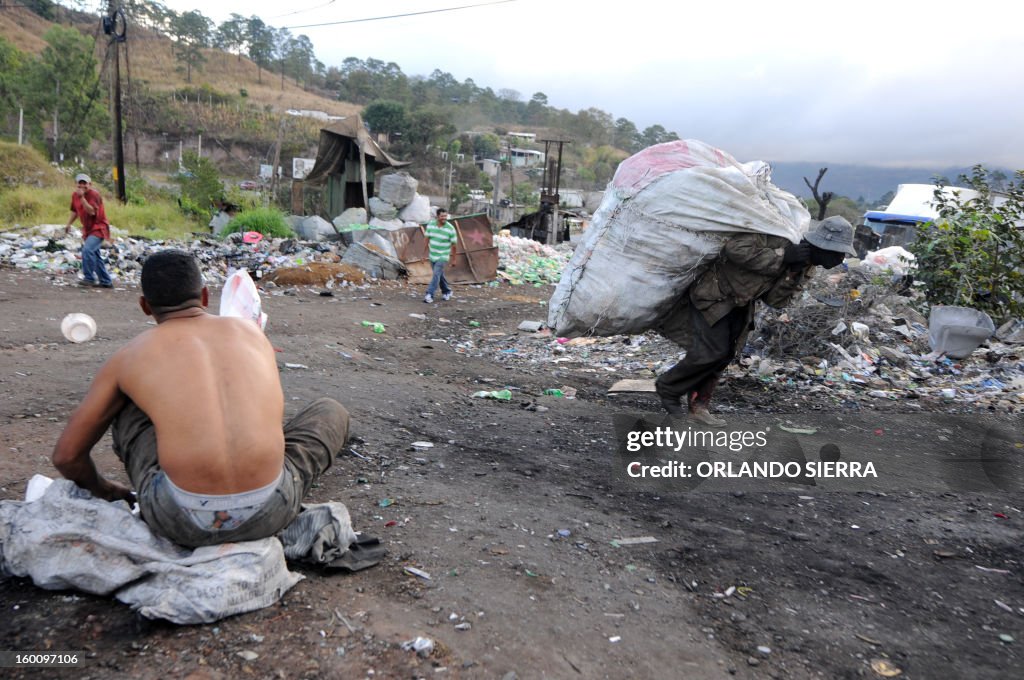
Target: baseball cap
(82, 177)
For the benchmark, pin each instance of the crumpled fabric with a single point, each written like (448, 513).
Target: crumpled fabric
(66, 538)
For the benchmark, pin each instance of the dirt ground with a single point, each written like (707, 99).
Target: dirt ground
(821, 585)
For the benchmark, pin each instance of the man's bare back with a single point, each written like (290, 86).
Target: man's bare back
(211, 387)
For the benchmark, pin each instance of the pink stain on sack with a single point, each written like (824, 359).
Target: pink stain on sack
(642, 168)
(252, 237)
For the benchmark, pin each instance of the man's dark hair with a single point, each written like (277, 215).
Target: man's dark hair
(171, 278)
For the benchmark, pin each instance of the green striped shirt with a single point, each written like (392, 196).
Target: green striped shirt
(440, 240)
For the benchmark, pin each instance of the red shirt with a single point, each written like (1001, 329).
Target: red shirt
(92, 225)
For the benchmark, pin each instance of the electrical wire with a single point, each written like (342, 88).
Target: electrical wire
(399, 16)
(300, 11)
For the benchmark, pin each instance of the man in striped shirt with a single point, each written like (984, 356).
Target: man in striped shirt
(441, 241)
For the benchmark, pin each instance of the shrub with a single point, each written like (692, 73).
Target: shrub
(974, 254)
(201, 188)
(267, 221)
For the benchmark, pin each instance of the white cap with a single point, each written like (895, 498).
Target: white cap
(82, 177)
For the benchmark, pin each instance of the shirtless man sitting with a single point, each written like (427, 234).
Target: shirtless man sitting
(195, 407)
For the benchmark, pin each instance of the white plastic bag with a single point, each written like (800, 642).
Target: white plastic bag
(662, 221)
(241, 298)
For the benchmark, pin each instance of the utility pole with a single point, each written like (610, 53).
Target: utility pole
(56, 135)
(114, 26)
(277, 159)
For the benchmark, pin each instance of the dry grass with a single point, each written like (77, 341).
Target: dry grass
(151, 61)
(23, 29)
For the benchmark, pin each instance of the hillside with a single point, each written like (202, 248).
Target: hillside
(151, 61)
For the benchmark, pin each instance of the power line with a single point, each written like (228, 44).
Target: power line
(399, 16)
(300, 11)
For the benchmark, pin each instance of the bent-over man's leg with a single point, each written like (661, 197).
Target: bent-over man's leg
(710, 351)
(312, 438)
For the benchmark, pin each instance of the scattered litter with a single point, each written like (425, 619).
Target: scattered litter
(417, 572)
(764, 650)
(421, 317)
(564, 533)
(615, 638)
(870, 641)
(501, 395)
(1004, 606)
(248, 655)
(422, 445)
(287, 365)
(554, 393)
(421, 645)
(531, 326)
(1007, 639)
(377, 326)
(386, 502)
(634, 541)
(474, 324)
(798, 430)
(885, 668)
(465, 625)
(990, 570)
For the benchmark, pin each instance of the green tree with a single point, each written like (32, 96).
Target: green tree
(259, 39)
(487, 145)
(973, 255)
(656, 134)
(201, 188)
(191, 33)
(10, 80)
(63, 81)
(537, 109)
(232, 34)
(385, 117)
(626, 136)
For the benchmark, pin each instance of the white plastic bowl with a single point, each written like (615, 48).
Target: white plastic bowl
(78, 327)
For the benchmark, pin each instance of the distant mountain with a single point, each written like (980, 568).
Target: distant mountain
(857, 181)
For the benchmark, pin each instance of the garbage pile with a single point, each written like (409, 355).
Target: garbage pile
(525, 261)
(855, 340)
(46, 248)
(397, 205)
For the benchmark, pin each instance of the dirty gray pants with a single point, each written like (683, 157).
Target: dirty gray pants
(311, 440)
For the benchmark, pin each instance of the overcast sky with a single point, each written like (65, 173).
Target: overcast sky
(894, 82)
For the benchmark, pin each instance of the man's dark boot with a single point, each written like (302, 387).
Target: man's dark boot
(672, 404)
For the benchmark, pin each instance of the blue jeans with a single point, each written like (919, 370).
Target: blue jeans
(438, 278)
(92, 264)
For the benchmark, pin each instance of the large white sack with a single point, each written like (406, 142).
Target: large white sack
(663, 219)
(350, 216)
(315, 228)
(390, 225)
(68, 539)
(417, 211)
(382, 209)
(398, 189)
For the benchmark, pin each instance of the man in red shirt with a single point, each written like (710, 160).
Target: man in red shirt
(87, 206)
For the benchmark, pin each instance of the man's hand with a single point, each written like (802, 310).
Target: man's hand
(112, 491)
(797, 254)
